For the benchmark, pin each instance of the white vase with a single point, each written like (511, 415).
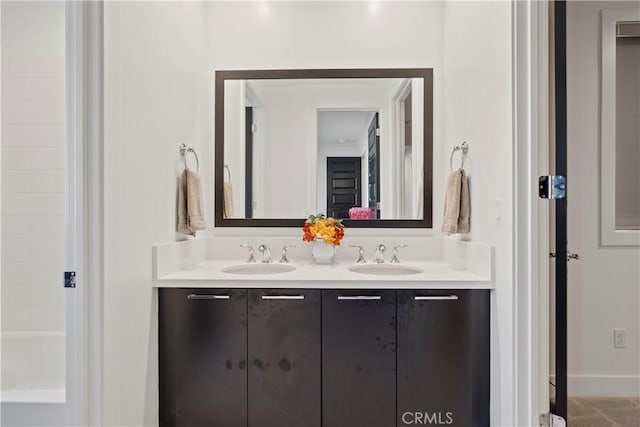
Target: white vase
(323, 252)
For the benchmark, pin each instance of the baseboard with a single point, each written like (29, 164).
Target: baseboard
(602, 385)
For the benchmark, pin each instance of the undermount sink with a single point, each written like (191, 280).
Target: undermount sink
(258, 269)
(386, 269)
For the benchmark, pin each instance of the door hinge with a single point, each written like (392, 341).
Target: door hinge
(377, 131)
(254, 128)
(552, 187)
(557, 421)
(69, 279)
(544, 420)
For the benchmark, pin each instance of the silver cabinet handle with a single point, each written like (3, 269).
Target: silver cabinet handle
(435, 297)
(205, 296)
(282, 297)
(360, 297)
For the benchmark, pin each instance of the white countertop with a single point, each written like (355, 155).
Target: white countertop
(436, 275)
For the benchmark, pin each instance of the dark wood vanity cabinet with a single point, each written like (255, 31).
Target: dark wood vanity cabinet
(323, 358)
(284, 358)
(443, 357)
(203, 357)
(358, 358)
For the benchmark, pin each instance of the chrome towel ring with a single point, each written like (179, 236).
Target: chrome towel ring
(464, 149)
(183, 149)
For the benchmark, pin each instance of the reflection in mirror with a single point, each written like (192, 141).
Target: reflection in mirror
(351, 148)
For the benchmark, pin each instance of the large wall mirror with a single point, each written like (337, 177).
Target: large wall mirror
(355, 144)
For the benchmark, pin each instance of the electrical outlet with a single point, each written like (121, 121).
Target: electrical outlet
(619, 338)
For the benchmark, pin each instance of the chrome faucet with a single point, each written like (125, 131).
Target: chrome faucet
(284, 258)
(266, 254)
(395, 259)
(361, 259)
(251, 252)
(379, 258)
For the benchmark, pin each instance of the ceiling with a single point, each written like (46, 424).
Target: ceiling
(342, 127)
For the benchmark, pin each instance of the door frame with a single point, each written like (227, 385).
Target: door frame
(84, 42)
(531, 112)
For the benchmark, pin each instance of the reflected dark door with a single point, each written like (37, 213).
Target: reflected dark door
(374, 165)
(344, 186)
(248, 191)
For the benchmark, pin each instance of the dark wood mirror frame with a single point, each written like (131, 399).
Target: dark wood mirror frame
(424, 73)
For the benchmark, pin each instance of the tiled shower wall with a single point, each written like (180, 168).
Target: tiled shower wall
(33, 167)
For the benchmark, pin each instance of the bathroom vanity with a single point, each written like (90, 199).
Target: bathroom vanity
(324, 345)
(350, 344)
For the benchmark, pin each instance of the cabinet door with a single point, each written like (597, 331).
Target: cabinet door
(443, 358)
(284, 358)
(202, 350)
(358, 358)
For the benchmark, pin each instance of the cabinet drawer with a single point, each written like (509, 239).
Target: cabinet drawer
(284, 358)
(203, 357)
(438, 347)
(358, 358)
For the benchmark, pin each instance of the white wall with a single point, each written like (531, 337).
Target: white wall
(159, 62)
(604, 285)
(33, 173)
(477, 109)
(157, 95)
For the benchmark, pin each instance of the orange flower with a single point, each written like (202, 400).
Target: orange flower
(330, 230)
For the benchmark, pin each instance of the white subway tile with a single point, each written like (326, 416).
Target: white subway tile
(33, 227)
(47, 135)
(32, 112)
(33, 158)
(33, 181)
(33, 250)
(33, 319)
(32, 273)
(14, 135)
(33, 204)
(46, 90)
(16, 90)
(33, 135)
(33, 67)
(29, 296)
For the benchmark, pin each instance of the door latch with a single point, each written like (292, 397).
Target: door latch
(69, 279)
(552, 187)
(570, 256)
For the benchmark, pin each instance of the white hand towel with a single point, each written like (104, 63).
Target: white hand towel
(457, 206)
(190, 206)
(228, 200)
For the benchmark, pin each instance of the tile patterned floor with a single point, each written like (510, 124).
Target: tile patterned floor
(604, 412)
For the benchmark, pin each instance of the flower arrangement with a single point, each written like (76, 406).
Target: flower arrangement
(330, 230)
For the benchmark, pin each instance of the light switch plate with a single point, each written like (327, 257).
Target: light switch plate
(619, 338)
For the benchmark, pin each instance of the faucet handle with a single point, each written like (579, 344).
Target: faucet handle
(251, 252)
(266, 254)
(361, 259)
(395, 259)
(380, 250)
(284, 258)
